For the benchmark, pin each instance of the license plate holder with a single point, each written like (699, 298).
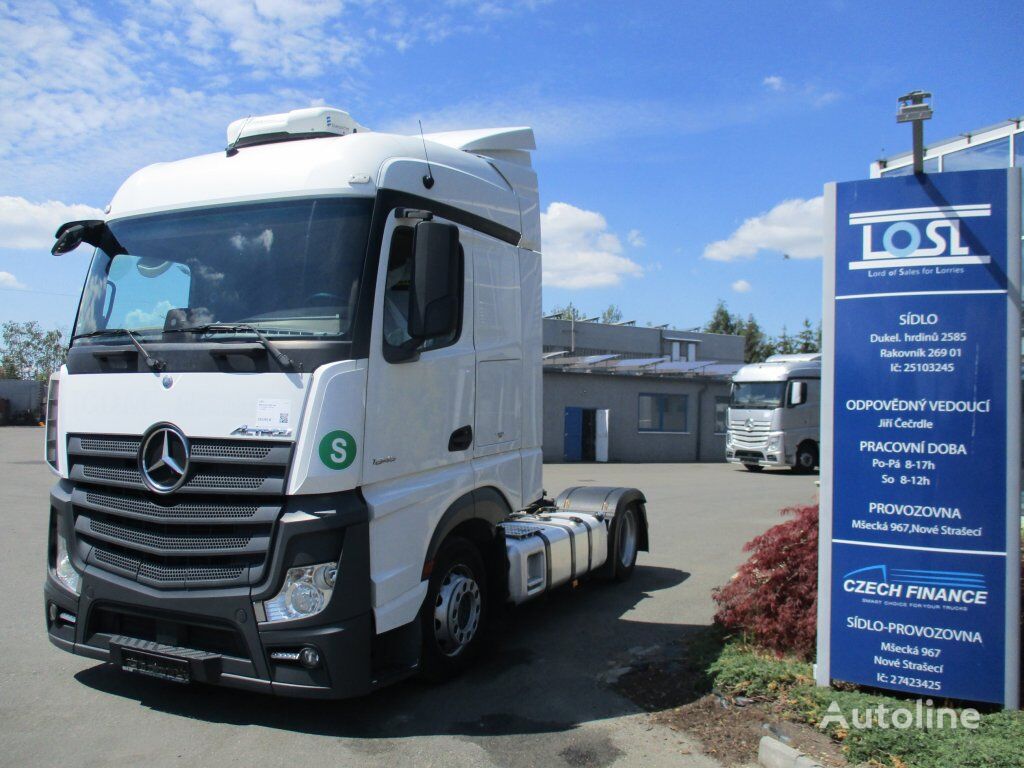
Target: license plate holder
(156, 665)
(167, 662)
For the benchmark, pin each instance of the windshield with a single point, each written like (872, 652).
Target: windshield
(758, 394)
(289, 268)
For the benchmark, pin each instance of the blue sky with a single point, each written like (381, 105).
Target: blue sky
(682, 146)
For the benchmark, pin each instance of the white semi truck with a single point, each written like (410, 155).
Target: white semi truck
(298, 434)
(774, 414)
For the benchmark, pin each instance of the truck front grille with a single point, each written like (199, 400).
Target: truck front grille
(749, 433)
(214, 531)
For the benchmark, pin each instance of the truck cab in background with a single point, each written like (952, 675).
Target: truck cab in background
(297, 437)
(774, 414)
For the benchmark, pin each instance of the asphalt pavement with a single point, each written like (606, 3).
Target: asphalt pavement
(538, 698)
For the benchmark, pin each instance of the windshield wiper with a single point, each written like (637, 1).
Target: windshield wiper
(282, 359)
(153, 362)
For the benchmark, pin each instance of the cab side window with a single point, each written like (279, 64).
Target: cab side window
(396, 294)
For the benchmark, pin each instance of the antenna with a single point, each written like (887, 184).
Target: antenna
(231, 149)
(428, 179)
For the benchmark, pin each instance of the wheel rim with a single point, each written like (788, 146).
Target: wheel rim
(806, 459)
(627, 538)
(457, 611)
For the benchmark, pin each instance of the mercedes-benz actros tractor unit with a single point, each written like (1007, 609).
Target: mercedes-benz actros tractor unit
(774, 413)
(298, 432)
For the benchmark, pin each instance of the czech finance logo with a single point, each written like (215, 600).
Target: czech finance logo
(337, 449)
(917, 236)
(164, 458)
(953, 587)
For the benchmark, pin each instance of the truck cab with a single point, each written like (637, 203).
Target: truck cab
(302, 399)
(774, 413)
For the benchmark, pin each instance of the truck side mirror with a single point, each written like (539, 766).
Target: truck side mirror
(797, 393)
(434, 290)
(73, 233)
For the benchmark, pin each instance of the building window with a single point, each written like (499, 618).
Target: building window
(721, 414)
(931, 165)
(991, 154)
(662, 413)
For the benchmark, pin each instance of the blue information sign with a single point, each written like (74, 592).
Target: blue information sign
(920, 436)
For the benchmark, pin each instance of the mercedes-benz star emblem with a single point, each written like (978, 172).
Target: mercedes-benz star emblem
(163, 458)
(749, 423)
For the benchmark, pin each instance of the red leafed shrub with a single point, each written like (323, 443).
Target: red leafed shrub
(773, 599)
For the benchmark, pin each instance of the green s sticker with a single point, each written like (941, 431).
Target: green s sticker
(337, 449)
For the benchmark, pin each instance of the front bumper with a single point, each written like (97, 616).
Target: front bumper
(758, 455)
(232, 648)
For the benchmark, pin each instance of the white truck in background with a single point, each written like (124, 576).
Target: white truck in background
(298, 434)
(774, 414)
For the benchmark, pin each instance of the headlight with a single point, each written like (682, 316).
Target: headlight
(63, 569)
(728, 439)
(774, 442)
(305, 593)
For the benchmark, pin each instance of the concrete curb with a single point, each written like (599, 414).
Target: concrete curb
(772, 753)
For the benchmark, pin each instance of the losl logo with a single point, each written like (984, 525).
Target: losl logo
(920, 236)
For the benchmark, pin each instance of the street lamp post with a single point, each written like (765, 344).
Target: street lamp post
(913, 109)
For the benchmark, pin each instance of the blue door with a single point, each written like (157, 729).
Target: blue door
(573, 434)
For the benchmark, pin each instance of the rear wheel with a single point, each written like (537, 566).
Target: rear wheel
(753, 467)
(624, 543)
(453, 614)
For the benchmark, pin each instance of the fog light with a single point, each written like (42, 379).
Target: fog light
(53, 611)
(306, 592)
(309, 658)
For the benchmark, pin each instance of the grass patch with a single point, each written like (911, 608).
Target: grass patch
(787, 684)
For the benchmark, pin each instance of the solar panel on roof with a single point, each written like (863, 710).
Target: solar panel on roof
(683, 366)
(722, 369)
(639, 362)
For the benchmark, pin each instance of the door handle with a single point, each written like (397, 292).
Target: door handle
(461, 439)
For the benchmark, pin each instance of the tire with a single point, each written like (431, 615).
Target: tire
(625, 543)
(806, 458)
(753, 467)
(454, 612)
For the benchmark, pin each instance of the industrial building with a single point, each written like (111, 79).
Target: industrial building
(997, 146)
(619, 392)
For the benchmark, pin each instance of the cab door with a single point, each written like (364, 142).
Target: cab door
(419, 412)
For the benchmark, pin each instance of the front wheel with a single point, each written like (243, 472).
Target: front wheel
(806, 458)
(454, 612)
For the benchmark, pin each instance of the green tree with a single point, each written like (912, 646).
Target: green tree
(29, 352)
(755, 345)
(785, 344)
(807, 340)
(568, 312)
(723, 322)
(612, 315)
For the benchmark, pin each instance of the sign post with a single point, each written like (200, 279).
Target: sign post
(919, 546)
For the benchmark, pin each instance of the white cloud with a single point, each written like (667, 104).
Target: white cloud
(741, 286)
(580, 252)
(90, 94)
(636, 238)
(793, 227)
(7, 280)
(31, 225)
(139, 318)
(774, 83)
